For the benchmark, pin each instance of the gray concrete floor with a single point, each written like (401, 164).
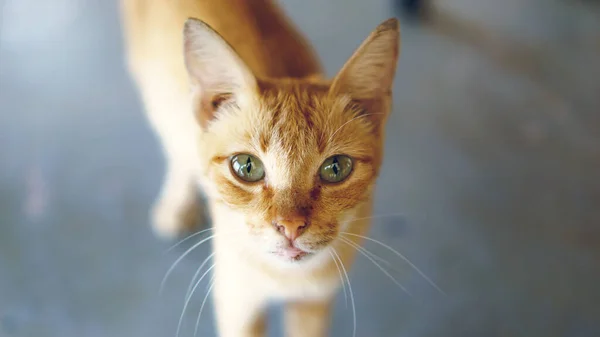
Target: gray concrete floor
(491, 183)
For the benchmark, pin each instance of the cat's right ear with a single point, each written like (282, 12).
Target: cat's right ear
(217, 74)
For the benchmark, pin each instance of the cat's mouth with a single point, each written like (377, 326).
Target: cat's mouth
(292, 253)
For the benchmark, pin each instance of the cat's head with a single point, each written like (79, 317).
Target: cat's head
(289, 161)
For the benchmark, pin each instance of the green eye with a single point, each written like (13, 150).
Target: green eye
(247, 167)
(336, 168)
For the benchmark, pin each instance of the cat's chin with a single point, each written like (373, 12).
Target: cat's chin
(295, 260)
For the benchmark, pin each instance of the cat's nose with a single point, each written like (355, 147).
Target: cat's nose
(291, 227)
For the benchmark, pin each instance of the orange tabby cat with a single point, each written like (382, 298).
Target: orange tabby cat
(288, 160)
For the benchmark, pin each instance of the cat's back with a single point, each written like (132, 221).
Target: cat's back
(258, 30)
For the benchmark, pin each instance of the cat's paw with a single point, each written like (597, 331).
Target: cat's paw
(171, 221)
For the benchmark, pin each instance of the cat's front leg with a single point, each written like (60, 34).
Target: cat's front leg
(177, 210)
(304, 319)
(240, 311)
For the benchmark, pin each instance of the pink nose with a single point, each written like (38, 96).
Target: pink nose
(291, 228)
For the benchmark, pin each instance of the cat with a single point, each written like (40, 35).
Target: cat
(288, 159)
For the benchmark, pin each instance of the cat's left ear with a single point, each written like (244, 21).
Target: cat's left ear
(368, 75)
(217, 74)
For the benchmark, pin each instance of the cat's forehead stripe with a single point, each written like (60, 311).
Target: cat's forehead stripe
(297, 115)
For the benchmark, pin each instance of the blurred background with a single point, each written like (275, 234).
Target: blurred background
(491, 183)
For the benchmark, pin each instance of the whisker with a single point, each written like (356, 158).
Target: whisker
(373, 255)
(208, 288)
(199, 269)
(168, 273)
(187, 293)
(354, 118)
(162, 283)
(376, 217)
(212, 278)
(360, 250)
(401, 256)
(189, 297)
(212, 284)
(187, 238)
(332, 250)
(341, 278)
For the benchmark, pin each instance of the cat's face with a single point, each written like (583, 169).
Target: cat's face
(292, 152)
(291, 159)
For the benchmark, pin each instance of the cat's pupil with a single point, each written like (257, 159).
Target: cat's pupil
(248, 165)
(336, 166)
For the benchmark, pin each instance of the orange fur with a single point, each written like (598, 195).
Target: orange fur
(257, 89)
